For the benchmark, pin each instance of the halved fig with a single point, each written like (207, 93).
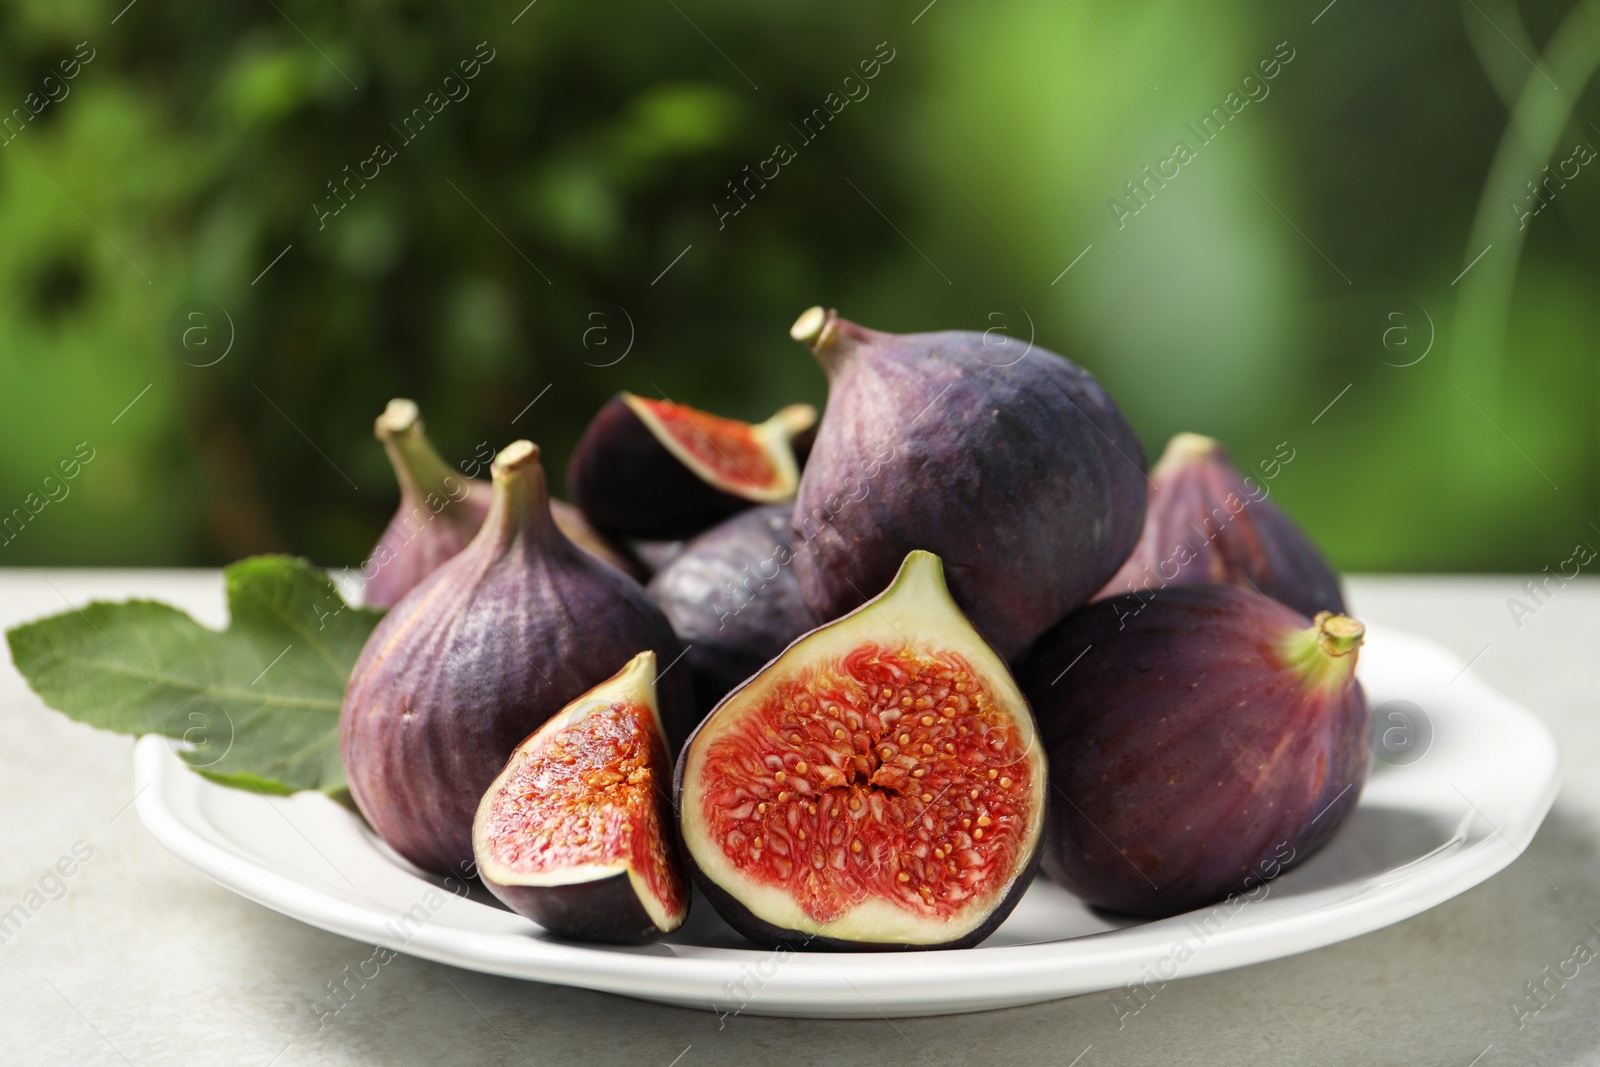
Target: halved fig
(659, 470)
(576, 832)
(879, 785)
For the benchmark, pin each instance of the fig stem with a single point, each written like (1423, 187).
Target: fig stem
(794, 419)
(809, 327)
(521, 497)
(417, 464)
(516, 455)
(1339, 635)
(1328, 650)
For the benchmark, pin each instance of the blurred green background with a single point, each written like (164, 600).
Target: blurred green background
(563, 211)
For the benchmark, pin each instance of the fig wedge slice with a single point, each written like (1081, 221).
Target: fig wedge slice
(576, 832)
(656, 469)
(878, 785)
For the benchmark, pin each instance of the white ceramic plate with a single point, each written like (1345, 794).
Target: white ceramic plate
(1466, 805)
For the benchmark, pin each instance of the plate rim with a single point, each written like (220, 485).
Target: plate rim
(905, 984)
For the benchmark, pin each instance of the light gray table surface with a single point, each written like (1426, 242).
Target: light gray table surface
(146, 961)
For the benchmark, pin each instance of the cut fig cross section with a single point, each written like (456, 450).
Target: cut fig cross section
(658, 469)
(749, 460)
(576, 832)
(879, 785)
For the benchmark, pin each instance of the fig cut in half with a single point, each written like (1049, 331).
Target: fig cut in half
(576, 832)
(879, 785)
(656, 469)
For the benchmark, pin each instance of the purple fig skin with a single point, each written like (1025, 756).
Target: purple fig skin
(1008, 461)
(607, 911)
(441, 511)
(626, 482)
(655, 555)
(1213, 735)
(480, 654)
(1205, 523)
(733, 600)
(572, 523)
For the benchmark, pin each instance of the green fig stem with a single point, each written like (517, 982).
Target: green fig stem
(819, 330)
(417, 465)
(831, 338)
(1184, 449)
(1339, 635)
(521, 500)
(792, 420)
(811, 325)
(1192, 444)
(1329, 649)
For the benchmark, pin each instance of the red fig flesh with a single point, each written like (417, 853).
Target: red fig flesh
(441, 510)
(658, 470)
(576, 833)
(479, 654)
(1207, 523)
(879, 785)
(1200, 742)
(733, 600)
(1008, 461)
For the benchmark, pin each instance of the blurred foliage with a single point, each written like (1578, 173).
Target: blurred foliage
(560, 208)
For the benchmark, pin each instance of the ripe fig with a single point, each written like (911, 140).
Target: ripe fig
(1207, 523)
(880, 785)
(441, 510)
(1008, 461)
(1200, 742)
(733, 600)
(576, 833)
(655, 555)
(658, 470)
(479, 654)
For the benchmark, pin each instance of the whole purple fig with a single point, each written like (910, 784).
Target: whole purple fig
(441, 510)
(1200, 742)
(654, 556)
(1008, 461)
(477, 656)
(1207, 523)
(733, 600)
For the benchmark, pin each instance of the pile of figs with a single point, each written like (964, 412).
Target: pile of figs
(855, 678)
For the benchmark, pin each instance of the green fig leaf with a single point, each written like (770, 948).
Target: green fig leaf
(257, 704)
